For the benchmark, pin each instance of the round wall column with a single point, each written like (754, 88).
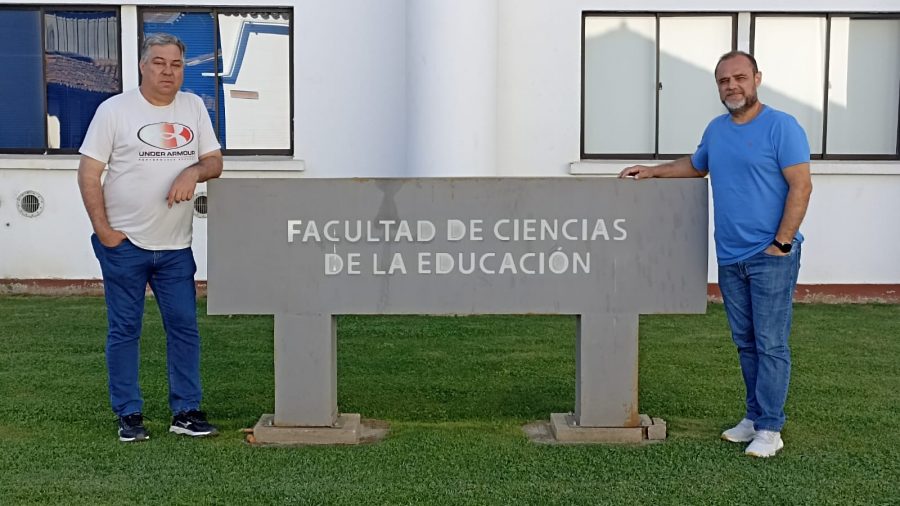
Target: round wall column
(451, 58)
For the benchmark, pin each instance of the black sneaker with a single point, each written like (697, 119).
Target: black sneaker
(192, 423)
(131, 428)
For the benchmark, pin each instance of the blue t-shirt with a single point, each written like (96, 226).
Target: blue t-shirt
(749, 190)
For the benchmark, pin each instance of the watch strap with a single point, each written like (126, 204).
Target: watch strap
(783, 247)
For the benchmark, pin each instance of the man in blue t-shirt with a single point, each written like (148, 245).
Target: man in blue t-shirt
(758, 162)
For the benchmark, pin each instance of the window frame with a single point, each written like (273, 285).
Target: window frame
(215, 11)
(656, 155)
(42, 11)
(828, 17)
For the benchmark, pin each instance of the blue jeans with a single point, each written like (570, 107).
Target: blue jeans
(126, 271)
(758, 294)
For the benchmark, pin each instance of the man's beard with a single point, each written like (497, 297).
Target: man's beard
(737, 109)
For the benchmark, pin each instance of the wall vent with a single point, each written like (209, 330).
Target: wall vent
(200, 202)
(30, 203)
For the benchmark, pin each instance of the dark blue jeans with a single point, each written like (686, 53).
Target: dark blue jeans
(758, 294)
(126, 271)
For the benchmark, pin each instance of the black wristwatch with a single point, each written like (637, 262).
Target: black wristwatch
(785, 247)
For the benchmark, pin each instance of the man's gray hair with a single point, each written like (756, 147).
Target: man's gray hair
(160, 39)
(731, 54)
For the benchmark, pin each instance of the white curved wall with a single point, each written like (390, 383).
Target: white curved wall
(451, 55)
(350, 87)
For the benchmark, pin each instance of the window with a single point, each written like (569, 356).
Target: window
(239, 62)
(60, 65)
(793, 75)
(648, 87)
(840, 77)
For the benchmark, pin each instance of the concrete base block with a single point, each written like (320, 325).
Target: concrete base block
(657, 431)
(345, 431)
(566, 431)
(562, 429)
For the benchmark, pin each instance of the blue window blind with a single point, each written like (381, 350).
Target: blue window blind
(21, 85)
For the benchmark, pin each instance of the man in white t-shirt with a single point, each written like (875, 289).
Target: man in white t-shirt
(157, 144)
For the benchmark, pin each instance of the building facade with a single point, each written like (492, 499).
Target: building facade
(457, 88)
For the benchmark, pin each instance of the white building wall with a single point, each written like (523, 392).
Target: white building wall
(350, 91)
(852, 236)
(452, 87)
(539, 114)
(539, 87)
(359, 99)
(54, 244)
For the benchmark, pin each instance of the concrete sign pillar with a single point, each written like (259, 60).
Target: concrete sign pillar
(605, 250)
(305, 370)
(606, 364)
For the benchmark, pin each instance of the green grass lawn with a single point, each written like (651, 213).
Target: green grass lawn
(456, 392)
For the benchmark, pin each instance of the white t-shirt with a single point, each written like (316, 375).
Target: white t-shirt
(145, 147)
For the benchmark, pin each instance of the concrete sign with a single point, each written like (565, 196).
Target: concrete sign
(604, 249)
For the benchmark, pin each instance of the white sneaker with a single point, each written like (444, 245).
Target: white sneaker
(740, 433)
(765, 444)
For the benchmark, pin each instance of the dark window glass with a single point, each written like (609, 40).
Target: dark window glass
(58, 67)
(196, 30)
(82, 71)
(238, 61)
(21, 82)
